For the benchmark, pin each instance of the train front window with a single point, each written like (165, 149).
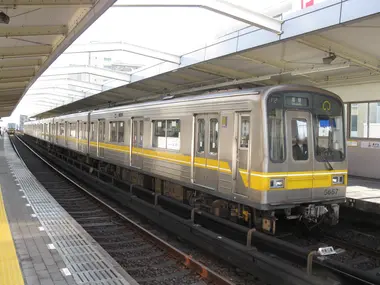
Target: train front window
(299, 135)
(329, 138)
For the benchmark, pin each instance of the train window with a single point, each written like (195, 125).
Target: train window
(329, 138)
(214, 129)
(134, 137)
(72, 129)
(80, 130)
(159, 137)
(120, 132)
(113, 132)
(85, 131)
(299, 134)
(166, 134)
(102, 130)
(201, 135)
(276, 135)
(244, 131)
(173, 134)
(374, 120)
(359, 120)
(61, 129)
(92, 131)
(141, 132)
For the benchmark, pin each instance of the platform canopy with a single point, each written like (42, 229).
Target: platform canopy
(324, 45)
(38, 31)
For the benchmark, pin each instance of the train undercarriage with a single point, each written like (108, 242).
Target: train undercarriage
(272, 222)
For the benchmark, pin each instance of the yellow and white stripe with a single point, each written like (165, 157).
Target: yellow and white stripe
(10, 271)
(258, 180)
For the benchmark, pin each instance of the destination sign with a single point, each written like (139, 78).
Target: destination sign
(297, 101)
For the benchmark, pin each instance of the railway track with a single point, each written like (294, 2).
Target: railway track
(147, 258)
(356, 253)
(286, 254)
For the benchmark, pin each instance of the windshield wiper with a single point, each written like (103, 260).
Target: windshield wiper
(326, 160)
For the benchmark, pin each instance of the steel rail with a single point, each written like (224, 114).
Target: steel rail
(186, 259)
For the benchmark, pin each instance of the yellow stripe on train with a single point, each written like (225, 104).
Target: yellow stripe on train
(258, 180)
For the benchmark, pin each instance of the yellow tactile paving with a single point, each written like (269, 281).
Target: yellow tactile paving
(10, 271)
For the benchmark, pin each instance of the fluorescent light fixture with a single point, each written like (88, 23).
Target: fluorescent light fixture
(320, 69)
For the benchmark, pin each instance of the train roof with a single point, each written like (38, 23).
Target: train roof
(217, 94)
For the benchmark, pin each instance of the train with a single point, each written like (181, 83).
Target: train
(256, 156)
(11, 128)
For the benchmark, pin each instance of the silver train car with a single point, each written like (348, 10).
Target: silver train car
(255, 155)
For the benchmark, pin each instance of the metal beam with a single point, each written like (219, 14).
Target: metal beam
(87, 69)
(34, 99)
(17, 73)
(32, 31)
(46, 103)
(50, 95)
(56, 90)
(13, 85)
(121, 46)
(220, 71)
(15, 79)
(79, 22)
(19, 63)
(11, 91)
(279, 65)
(349, 79)
(47, 82)
(343, 51)
(21, 51)
(218, 6)
(46, 3)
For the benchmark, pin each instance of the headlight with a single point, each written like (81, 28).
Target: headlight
(277, 183)
(338, 179)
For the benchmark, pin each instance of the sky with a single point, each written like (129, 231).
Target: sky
(171, 30)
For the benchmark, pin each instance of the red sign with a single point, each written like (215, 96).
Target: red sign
(306, 3)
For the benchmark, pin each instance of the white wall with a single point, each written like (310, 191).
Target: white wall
(359, 92)
(362, 159)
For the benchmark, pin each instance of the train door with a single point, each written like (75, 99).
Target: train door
(137, 142)
(206, 161)
(242, 162)
(101, 137)
(300, 154)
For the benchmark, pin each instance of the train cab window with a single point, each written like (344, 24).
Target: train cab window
(299, 135)
(244, 131)
(201, 135)
(120, 132)
(214, 129)
(329, 138)
(113, 132)
(276, 137)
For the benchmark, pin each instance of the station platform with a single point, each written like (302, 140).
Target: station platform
(364, 194)
(40, 243)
